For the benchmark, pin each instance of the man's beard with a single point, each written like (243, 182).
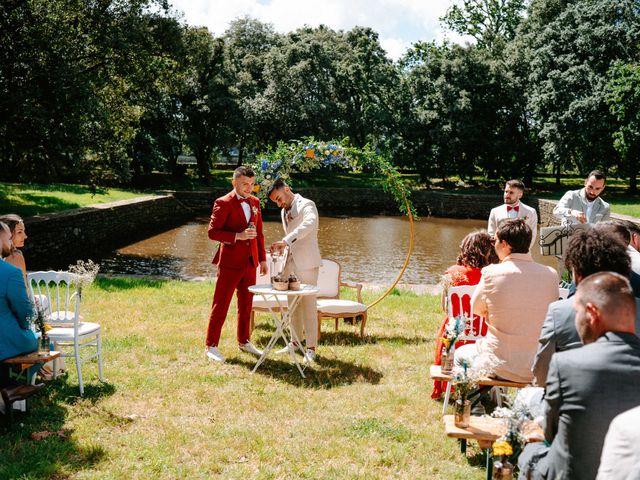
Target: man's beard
(590, 196)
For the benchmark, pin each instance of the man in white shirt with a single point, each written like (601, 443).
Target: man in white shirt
(513, 208)
(584, 205)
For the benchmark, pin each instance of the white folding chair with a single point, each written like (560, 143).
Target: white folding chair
(461, 298)
(68, 330)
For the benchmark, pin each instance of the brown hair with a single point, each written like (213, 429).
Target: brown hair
(597, 174)
(516, 233)
(515, 184)
(243, 172)
(11, 220)
(476, 250)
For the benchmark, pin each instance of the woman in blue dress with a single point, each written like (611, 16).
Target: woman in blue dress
(16, 336)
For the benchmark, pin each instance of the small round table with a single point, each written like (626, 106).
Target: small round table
(283, 320)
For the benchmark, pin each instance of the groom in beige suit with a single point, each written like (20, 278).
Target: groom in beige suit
(300, 223)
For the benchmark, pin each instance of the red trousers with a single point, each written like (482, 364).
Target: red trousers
(230, 279)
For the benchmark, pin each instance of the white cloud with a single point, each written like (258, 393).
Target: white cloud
(398, 22)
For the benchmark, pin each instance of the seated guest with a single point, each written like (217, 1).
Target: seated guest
(620, 452)
(18, 236)
(587, 387)
(513, 296)
(588, 252)
(623, 234)
(634, 243)
(15, 308)
(476, 252)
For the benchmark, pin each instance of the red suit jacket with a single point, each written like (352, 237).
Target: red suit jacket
(227, 219)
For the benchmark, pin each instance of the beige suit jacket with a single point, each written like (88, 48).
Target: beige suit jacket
(301, 232)
(499, 215)
(514, 296)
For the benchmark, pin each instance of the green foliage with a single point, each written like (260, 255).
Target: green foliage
(491, 23)
(308, 154)
(623, 98)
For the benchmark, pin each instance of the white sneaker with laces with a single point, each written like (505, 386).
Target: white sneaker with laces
(250, 348)
(214, 354)
(310, 356)
(291, 347)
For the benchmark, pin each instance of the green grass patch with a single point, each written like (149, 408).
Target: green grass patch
(165, 412)
(27, 199)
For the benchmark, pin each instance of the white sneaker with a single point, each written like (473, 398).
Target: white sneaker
(310, 356)
(214, 354)
(250, 348)
(291, 347)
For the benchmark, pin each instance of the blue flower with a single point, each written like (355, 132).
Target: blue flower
(264, 164)
(276, 165)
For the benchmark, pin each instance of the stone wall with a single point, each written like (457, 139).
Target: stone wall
(367, 201)
(58, 239)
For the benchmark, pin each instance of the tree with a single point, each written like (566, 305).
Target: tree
(568, 48)
(623, 98)
(490, 22)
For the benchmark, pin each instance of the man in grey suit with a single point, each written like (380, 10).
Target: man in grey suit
(584, 205)
(589, 251)
(588, 386)
(300, 224)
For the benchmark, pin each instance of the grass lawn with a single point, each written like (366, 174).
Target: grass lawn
(27, 199)
(165, 412)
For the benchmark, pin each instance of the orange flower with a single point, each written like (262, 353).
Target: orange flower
(310, 153)
(256, 188)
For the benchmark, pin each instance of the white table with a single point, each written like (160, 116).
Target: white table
(282, 318)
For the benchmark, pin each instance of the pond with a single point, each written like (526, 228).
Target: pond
(371, 250)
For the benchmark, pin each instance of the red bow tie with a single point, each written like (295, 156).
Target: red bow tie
(244, 200)
(516, 208)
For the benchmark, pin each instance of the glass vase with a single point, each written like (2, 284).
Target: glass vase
(462, 413)
(447, 362)
(502, 470)
(44, 345)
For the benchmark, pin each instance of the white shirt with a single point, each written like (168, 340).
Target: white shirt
(245, 207)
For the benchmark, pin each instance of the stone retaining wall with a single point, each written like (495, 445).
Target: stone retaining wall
(59, 239)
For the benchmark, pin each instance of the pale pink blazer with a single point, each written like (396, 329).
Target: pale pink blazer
(514, 296)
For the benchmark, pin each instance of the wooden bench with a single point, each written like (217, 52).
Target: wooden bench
(486, 430)
(16, 391)
(435, 371)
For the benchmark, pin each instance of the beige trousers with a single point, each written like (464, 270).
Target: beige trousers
(307, 312)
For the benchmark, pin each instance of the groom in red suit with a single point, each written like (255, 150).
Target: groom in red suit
(236, 222)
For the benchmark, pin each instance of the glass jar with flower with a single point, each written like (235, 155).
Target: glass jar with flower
(465, 381)
(502, 467)
(455, 327)
(41, 325)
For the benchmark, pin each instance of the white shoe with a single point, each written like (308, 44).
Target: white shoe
(310, 356)
(250, 348)
(291, 347)
(214, 354)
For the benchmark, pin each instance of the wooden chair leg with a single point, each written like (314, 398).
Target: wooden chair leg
(251, 321)
(337, 321)
(319, 320)
(362, 324)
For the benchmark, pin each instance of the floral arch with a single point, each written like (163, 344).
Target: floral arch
(308, 155)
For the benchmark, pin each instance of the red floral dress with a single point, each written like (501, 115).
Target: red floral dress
(457, 275)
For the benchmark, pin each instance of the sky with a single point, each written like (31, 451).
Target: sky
(399, 23)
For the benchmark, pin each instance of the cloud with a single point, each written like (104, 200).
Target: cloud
(399, 23)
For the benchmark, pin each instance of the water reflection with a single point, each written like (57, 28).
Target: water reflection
(370, 249)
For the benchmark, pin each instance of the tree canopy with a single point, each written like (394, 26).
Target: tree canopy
(113, 90)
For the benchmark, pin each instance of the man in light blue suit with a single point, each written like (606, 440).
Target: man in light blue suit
(15, 307)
